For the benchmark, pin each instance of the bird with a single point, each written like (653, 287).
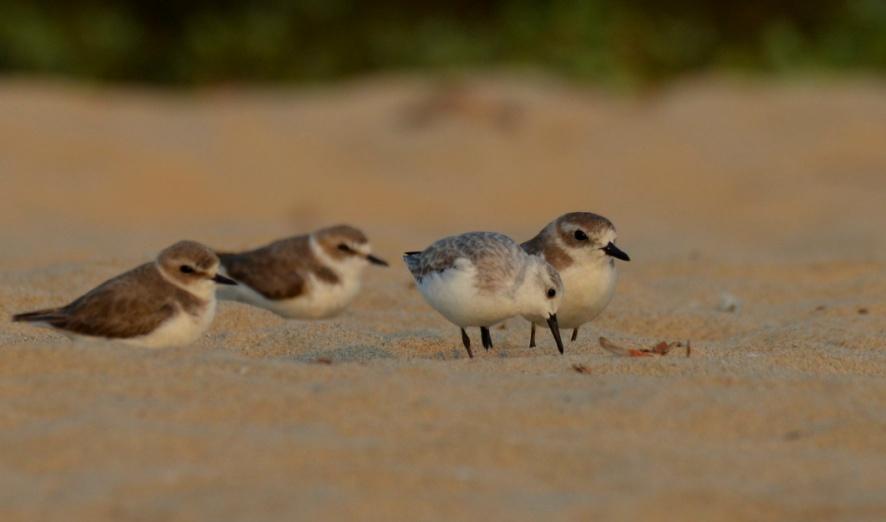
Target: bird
(581, 247)
(168, 302)
(311, 276)
(482, 278)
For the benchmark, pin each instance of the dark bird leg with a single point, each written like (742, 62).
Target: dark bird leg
(555, 331)
(574, 334)
(467, 342)
(532, 336)
(487, 337)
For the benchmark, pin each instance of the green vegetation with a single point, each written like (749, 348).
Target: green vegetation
(632, 42)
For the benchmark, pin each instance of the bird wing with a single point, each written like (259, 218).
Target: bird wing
(277, 271)
(130, 305)
(493, 255)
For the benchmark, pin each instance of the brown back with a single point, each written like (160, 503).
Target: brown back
(279, 270)
(129, 305)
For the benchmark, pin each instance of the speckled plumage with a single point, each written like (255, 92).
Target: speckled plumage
(496, 257)
(482, 278)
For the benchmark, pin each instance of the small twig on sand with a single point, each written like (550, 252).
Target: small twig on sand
(580, 368)
(662, 348)
(613, 348)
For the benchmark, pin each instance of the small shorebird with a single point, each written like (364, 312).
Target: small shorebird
(311, 276)
(169, 302)
(481, 278)
(581, 246)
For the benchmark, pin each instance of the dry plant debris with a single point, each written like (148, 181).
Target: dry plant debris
(662, 348)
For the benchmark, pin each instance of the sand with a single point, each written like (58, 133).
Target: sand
(770, 196)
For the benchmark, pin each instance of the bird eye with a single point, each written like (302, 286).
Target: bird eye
(343, 247)
(552, 293)
(185, 269)
(580, 235)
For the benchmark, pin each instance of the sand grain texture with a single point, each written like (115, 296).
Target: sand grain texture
(770, 193)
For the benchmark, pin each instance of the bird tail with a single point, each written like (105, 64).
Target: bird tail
(38, 316)
(412, 262)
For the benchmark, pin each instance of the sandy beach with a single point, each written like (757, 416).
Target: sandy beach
(766, 195)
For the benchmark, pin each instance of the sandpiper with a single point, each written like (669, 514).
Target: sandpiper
(482, 278)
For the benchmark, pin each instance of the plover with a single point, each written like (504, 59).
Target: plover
(481, 278)
(581, 246)
(311, 276)
(168, 302)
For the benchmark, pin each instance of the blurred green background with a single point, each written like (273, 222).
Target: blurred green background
(616, 42)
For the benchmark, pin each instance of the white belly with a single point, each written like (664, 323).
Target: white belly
(320, 300)
(181, 329)
(453, 294)
(587, 292)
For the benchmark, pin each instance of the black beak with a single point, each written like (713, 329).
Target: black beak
(376, 260)
(614, 251)
(555, 330)
(222, 280)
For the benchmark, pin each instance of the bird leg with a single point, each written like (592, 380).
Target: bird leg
(486, 336)
(574, 334)
(467, 342)
(532, 336)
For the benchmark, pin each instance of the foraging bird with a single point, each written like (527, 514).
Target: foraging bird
(581, 246)
(168, 302)
(482, 278)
